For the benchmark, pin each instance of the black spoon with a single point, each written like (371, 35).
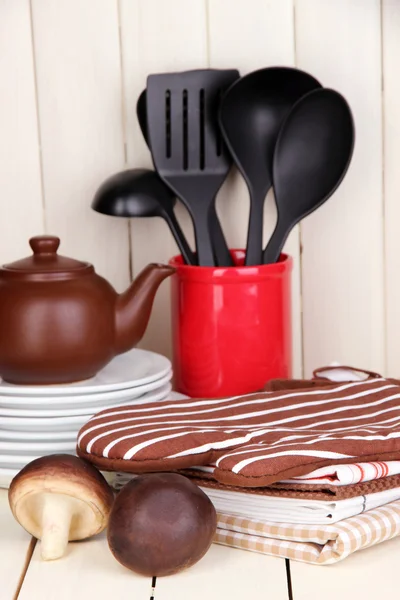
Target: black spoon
(312, 155)
(251, 114)
(141, 193)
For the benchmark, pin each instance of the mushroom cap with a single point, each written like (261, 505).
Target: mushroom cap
(161, 524)
(72, 479)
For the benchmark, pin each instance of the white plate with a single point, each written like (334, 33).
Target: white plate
(38, 448)
(13, 405)
(45, 424)
(37, 436)
(161, 392)
(134, 368)
(51, 424)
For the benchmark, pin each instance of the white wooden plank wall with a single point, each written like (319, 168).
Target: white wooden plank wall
(266, 34)
(342, 263)
(70, 74)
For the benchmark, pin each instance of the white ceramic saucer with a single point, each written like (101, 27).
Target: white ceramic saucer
(15, 405)
(134, 368)
(70, 423)
(44, 424)
(23, 457)
(37, 436)
(37, 448)
(160, 392)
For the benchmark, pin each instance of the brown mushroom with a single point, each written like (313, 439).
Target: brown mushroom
(60, 498)
(161, 524)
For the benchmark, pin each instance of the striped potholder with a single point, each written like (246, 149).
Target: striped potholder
(255, 440)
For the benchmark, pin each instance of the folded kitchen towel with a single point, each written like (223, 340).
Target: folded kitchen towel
(267, 504)
(338, 480)
(324, 491)
(255, 440)
(315, 544)
(317, 491)
(295, 510)
(285, 490)
(344, 475)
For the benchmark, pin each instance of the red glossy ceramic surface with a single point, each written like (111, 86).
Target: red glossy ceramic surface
(231, 326)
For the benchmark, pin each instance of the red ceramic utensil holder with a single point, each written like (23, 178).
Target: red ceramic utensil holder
(231, 326)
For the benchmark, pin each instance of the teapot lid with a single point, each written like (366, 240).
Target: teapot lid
(45, 262)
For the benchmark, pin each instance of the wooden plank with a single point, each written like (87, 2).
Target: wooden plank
(343, 297)
(88, 570)
(391, 50)
(14, 548)
(157, 37)
(21, 213)
(79, 93)
(227, 573)
(354, 577)
(249, 35)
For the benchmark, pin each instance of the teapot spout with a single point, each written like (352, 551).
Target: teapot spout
(133, 307)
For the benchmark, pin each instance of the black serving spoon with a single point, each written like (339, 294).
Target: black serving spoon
(251, 114)
(312, 154)
(141, 193)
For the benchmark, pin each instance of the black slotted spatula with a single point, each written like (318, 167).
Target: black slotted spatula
(187, 148)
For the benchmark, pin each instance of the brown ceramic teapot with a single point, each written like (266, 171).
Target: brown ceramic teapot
(61, 322)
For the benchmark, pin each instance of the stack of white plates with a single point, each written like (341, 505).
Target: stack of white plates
(40, 420)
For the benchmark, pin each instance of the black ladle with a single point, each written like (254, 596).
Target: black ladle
(312, 155)
(251, 115)
(141, 193)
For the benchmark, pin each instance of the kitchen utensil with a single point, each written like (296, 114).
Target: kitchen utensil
(231, 328)
(132, 369)
(114, 400)
(312, 155)
(141, 193)
(251, 114)
(61, 322)
(141, 113)
(217, 237)
(188, 151)
(88, 402)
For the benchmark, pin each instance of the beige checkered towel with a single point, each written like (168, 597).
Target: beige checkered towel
(316, 544)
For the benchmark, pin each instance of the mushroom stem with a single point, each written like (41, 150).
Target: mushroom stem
(56, 521)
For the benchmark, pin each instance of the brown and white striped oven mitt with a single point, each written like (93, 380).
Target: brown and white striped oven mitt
(255, 440)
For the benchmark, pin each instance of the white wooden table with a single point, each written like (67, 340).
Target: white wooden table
(89, 571)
